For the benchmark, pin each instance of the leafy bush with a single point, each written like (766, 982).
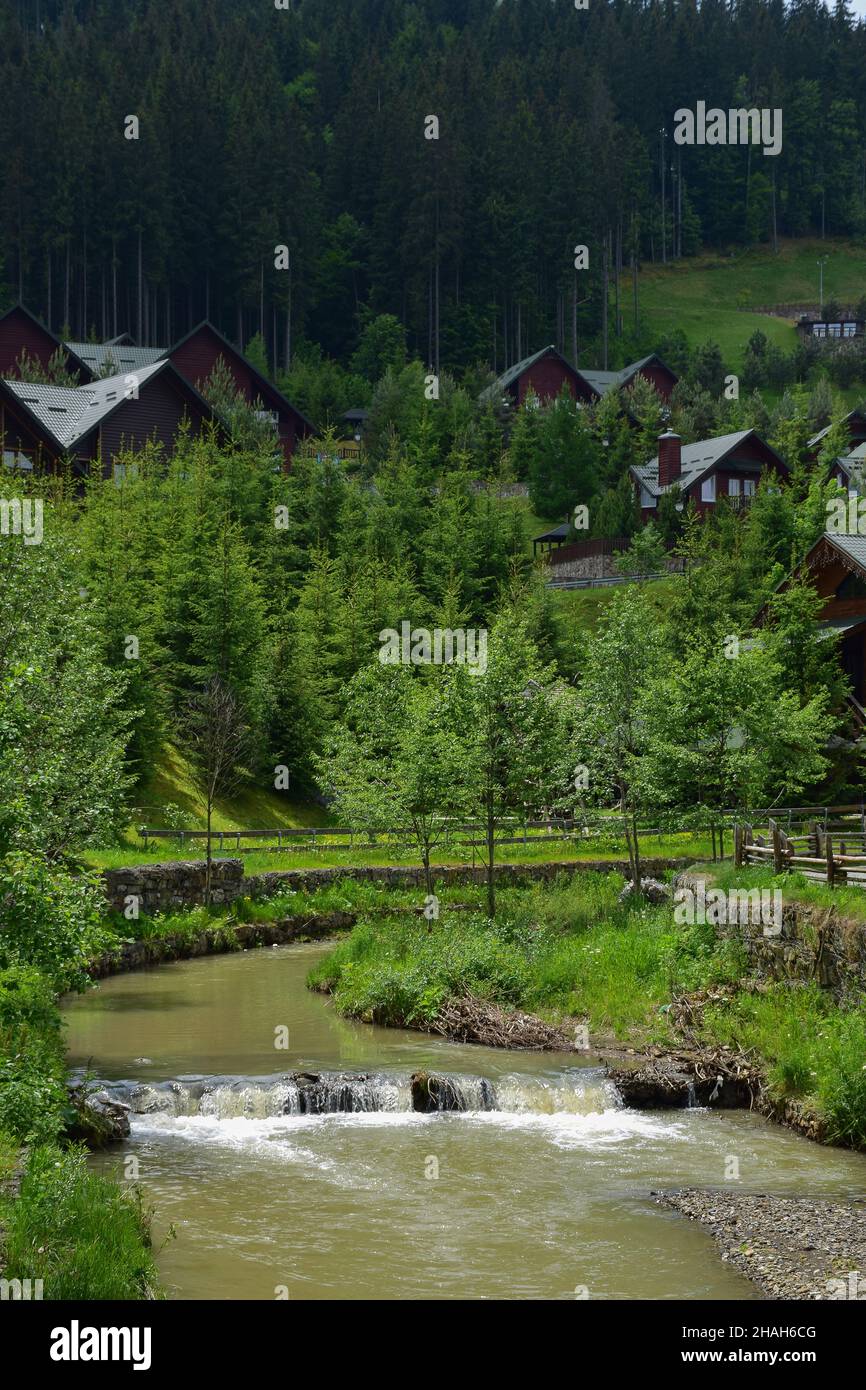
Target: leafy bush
(49, 919)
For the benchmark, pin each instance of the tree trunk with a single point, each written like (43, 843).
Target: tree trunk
(428, 874)
(491, 886)
(604, 303)
(207, 875)
(637, 863)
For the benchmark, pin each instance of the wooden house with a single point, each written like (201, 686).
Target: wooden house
(836, 565)
(546, 373)
(89, 425)
(829, 331)
(729, 465)
(22, 333)
(196, 355)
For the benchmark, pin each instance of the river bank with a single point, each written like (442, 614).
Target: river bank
(789, 1247)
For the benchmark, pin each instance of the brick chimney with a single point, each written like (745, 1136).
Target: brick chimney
(670, 458)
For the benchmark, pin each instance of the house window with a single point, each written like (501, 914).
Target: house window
(835, 330)
(15, 459)
(708, 489)
(819, 330)
(849, 330)
(748, 487)
(733, 487)
(646, 498)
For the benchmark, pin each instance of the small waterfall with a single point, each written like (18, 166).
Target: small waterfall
(578, 1091)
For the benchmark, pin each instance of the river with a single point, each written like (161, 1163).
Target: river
(544, 1195)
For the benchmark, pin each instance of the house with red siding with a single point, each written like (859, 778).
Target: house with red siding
(651, 368)
(41, 426)
(729, 465)
(21, 332)
(547, 372)
(196, 356)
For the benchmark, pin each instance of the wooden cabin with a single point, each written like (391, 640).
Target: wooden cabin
(830, 330)
(836, 565)
(196, 356)
(729, 465)
(41, 426)
(21, 332)
(547, 372)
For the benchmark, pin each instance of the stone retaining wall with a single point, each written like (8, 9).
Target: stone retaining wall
(815, 943)
(137, 955)
(180, 884)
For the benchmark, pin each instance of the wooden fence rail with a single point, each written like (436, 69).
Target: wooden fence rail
(820, 855)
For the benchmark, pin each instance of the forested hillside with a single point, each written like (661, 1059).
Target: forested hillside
(304, 127)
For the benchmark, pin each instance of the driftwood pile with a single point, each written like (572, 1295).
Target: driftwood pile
(470, 1020)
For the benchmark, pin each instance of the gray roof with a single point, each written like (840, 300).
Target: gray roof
(852, 546)
(504, 381)
(70, 412)
(121, 357)
(696, 460)
(816, 438)
(602, 382)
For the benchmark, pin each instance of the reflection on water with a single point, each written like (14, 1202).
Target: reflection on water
(544, 1189)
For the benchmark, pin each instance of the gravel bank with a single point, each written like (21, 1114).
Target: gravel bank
(790, 1247)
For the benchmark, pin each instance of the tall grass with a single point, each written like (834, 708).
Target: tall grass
(815, 1051)
(569, 948)
(84, 1236)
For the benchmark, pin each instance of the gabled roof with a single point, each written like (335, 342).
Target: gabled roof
(852, 414)
(20, 308)
(267, 390)
(597, 381)
(852, 549)
(695, 461)
(122, 357)
(602, 382)
(508, 377)
(68, 413)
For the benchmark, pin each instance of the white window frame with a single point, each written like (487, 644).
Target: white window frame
(708, 489)
(733, 487)
(748, 487)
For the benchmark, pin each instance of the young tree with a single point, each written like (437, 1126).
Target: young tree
(391, 762)
(214, 739)
(622, 660)
(508, 724)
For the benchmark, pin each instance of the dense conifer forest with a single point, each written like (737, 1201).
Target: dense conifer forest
(303, 126)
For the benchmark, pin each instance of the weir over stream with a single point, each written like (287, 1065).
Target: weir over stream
(315, 1169)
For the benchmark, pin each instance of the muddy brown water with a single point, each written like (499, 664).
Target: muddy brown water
(545, 1196)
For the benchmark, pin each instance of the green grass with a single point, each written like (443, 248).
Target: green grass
(173, 784)
(814, 1052)
(717, 296)
(581, 610)
(568, 949)
(850, 902)
(84, 1236)
(539, 850)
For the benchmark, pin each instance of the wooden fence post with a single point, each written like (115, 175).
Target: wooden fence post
(778, 860)
(831, 872)
(738, 846)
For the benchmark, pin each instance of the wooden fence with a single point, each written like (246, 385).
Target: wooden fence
(831, 851)
(315, 836)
